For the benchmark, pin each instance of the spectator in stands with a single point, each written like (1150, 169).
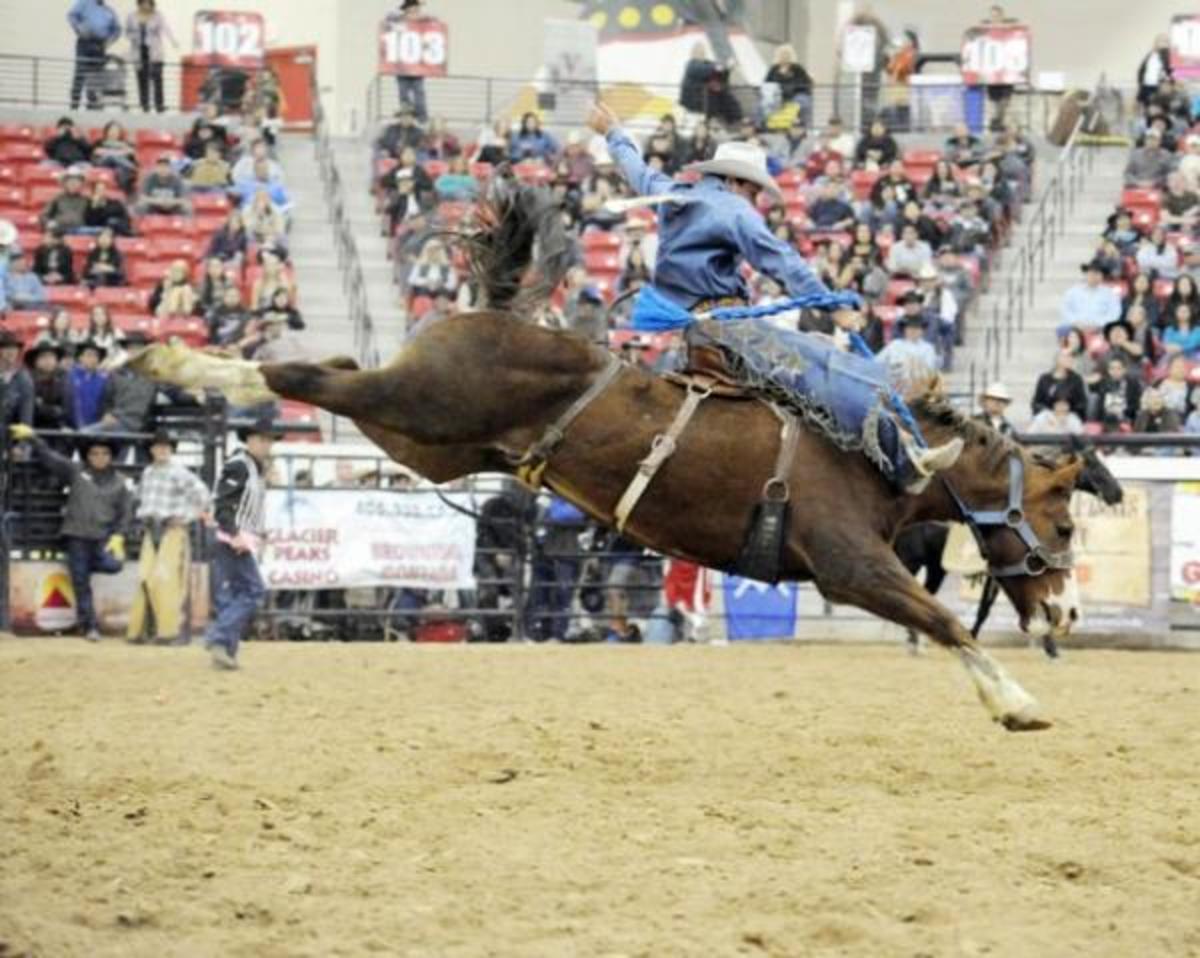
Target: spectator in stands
(1174, 102)
(911, 214)
(202, 133)
(1156, 255)
(96, 28)
(68, 147)
(405, 209)
(910, 358)
(941, 310)
(1122, 233)
(910, 254)
(702, 146)
(210, 173)
(213, 282)
(129, 398)
(438, 143)
(163, 191)
(903, 188)
(1057, 419)
(86, 384)
(95, 520)
(955, 277)
(1141, 295)
(69, 208)
(456, 184)
(53, 260)
(1180, 203)
(1176, 388)
(1116, 396)
(1061, 382)
(16, 396)
(995, 401)
(491, 143)
(265, 222)
(432, 271)
(1149, 165)
(1184, 291)
(49, 386)
(1089, 305)
(59, 333)
(530, 142)
(793, 148)
(229, 243)
(280, 309)
(1155, 121)
(635, 273)
(406, 134)
(104, 210)
(1142, 332)
(22, 287)
(881, 211)
(146, 30)
(1154, 416)
(963, 148)
(794, 84)
(943, 187)
(260, 181)
(576, 162)
(1182, 335)
(830, 211)
(174, 295)
(1119, 337)
(105, 266)
(587, 317)
(1189, 164)
(1154, 68)
(877, 148)
(410, 89)
(259, 152)
(114, 151)
(227, 321)
(274, 277)
(101, 331)
(705, 89)
(1108, 259)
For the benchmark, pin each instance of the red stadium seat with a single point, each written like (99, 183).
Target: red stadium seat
(1093, 429)
(160, 139)
(15, 152)
(26, 325)
(124, 298)
(154, 225)
(921, 157)
(39, 196)
(600, 239)
(1145, 218)
(24, 220)
(17, 133)
(435, 168)
(145, 274)
(142, 322)
(39, 174)
(533, 172)
(206, 225)
(481, 171)
(132, 245)
(606, 285)
(12, 195)
(418, 306)
(602, 260)
(298, 413)
(862, 182)
(790, 179)
(895, 289)
(216, 204)
(1140, 196)
(189, 329)
(69, 295)
(169, 247)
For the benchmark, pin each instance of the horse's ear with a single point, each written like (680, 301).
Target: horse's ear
(1068, 468)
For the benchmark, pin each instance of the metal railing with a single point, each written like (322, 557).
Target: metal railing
(45, 82)
(349, 262)
(1041, 232)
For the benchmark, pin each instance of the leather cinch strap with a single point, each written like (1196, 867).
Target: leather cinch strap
(661, 450)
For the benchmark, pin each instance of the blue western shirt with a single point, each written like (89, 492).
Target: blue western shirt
(701, 244)
(93, 20)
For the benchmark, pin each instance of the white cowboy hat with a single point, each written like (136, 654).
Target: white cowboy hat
(997, 390)
(742, 161)
(8, 233)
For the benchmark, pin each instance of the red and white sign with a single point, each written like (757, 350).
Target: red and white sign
(1185, 45)
(996, 54)
(417, 47)
(229, 38)
(1185, 542)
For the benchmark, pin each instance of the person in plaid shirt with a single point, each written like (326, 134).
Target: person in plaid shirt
(170, 497)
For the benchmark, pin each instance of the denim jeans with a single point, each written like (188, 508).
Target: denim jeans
(85, 557)
(89, 63)
(411, 91)
(238, 591)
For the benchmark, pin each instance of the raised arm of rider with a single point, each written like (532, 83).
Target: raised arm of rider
(644, 180)
(774, 258)
(62, 467)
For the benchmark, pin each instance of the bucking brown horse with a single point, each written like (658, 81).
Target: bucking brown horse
(488, 391)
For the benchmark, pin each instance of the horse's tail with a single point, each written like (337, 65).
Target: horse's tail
(519, 251)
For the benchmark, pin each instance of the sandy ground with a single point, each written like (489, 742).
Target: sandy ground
(528, 801)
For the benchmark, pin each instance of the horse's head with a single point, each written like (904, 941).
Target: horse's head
(1096, 479)
(1029, 549)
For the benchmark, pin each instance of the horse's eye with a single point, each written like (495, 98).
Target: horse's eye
(1065, 529)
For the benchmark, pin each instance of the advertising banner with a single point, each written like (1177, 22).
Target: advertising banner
(1185, 542)
(414, 48)
(359, 538)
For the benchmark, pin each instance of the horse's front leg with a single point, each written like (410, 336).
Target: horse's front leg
(877, 582)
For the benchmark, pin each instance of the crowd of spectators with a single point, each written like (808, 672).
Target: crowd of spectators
(1128, 357)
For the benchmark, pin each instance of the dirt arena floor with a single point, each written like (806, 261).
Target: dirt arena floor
(602, 801)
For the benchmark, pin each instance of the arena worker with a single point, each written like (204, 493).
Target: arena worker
(240, 504)
(170, 497)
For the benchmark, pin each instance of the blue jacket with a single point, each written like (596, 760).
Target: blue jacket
(87, 396)
(93, 20)
(702, 244)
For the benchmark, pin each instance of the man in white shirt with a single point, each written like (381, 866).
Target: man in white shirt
(910, 254)
(910, 357)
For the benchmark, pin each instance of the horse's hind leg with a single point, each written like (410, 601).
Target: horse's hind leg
(879, 583)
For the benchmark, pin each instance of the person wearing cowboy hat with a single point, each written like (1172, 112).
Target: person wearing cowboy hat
(129, 397)
(942, 309)
(910, 357)
(708, 229)
(1090, 304)
(49, 385)
(23, 288)
(69, 208)
(95, 519)
(16, 382)
(239, 510)
(86, 384)
(170, 497)
(995, 401)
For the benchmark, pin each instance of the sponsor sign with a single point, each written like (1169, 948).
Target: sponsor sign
(996, 54)
(414, 48)
(228, 38)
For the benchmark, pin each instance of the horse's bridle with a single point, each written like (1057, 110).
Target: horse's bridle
(1037, 559)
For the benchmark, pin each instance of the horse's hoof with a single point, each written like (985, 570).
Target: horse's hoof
(1017, 722)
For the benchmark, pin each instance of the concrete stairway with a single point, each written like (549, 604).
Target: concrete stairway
(1033, 346)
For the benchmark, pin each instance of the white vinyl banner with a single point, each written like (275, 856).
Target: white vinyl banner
(1185, 542)
(358, 538)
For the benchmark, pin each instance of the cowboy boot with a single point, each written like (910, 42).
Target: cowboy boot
(929, 460)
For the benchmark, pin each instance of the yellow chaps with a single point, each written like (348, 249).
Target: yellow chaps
(162, 585)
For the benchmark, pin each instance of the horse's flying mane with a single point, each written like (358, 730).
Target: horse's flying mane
(930, 401)
(518, 227)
